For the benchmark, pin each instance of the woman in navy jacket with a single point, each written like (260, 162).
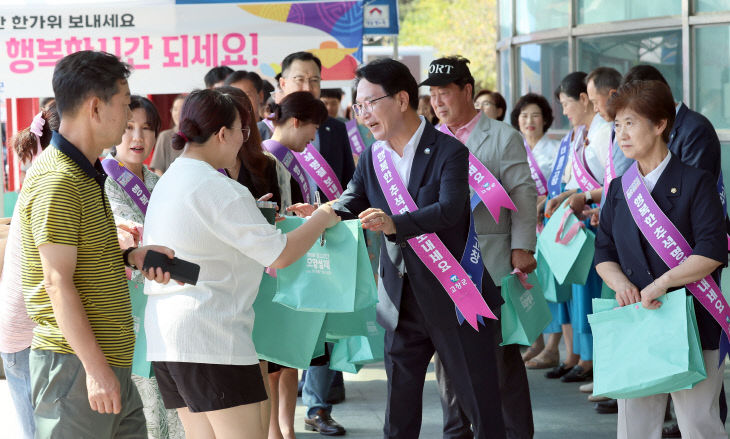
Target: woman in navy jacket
(644, 113)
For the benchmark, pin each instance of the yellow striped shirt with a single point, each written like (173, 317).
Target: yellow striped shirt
(62, 203)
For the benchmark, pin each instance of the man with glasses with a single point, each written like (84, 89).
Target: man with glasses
(506, 245)
(301, 71)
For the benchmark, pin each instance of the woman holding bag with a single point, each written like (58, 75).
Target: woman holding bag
(632, 256)
(199, 336)
(585, 157)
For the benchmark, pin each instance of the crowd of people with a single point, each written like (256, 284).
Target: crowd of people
(93, 345)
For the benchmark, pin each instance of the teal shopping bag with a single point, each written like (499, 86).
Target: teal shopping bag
(334, 277)
(349, 324)
(569, 260)
(551, 289)
(640, 352)
(525, 313)
(339, 359)
(140, 365)
(283, 335)
(351, 353)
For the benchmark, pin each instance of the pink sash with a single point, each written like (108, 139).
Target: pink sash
(586, 182)
(428, 247)
(540, 181)
(670, 245)
(485, 185)
(133, 186)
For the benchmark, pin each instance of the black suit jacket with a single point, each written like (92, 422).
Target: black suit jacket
(694, 141)
(694, 208)
(334, 145)
(439, 185)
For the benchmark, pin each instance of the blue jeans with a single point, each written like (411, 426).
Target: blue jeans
(17, 373)
(316, 388)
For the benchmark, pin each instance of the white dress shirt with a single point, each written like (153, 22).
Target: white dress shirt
(652, 177)
(403, 164)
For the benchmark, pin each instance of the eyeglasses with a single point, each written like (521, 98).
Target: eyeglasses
(366, 106)
(246, 132)
(300, 80)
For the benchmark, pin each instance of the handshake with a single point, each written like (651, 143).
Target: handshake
(372, 219)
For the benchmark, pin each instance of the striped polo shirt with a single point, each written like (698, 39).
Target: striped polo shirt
(63, 202)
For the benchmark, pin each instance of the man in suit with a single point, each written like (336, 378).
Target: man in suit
(301, 71)
(507, 245)
(417, 313)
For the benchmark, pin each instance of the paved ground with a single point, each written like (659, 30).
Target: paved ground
(560, 411)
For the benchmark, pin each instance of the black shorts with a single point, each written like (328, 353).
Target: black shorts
(203, 387)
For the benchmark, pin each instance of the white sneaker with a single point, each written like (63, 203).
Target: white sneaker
(586, 388)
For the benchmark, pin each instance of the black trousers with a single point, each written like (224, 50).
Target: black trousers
(468, 358)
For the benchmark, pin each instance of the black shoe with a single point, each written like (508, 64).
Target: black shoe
(324, 424)
(577, 375)
(606, 407)
(336, 395)
(671, 431)
(557, 371)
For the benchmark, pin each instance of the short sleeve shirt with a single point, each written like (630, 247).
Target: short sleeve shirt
(63, 202)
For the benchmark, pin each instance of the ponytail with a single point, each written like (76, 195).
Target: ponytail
(30, 141)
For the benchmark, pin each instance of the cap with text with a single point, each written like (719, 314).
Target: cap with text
(444, 71)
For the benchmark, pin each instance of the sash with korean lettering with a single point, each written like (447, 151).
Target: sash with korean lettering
(610, 172)
(485, 185)
(584, 178)
(317, 169)
(428, 247)
(535, 171)
(555, 186)
(671, 246)
(132, 185)
(723, 199)
(357, 144)
(290, 162)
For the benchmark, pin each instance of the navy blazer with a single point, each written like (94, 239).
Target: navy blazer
(688, 197)
(694, 141)
(439, 185)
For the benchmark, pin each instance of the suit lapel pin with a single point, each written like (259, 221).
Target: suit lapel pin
(427, 151)
(327, 128)
(673, 190)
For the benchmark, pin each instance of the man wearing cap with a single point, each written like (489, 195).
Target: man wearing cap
(506, 245)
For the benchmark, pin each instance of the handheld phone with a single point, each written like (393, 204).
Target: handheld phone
(179, 269)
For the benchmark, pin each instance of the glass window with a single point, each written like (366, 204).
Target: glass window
(505, 19)
(504, 88)
(711, 5)
(601, 11)
(711, 94)
(659, 49)
(536, 15)
(540, 69)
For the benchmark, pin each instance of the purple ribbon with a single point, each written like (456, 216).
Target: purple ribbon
(535, 172)
(671, 246)
(610, 172)
(133, 186)
(288, 159)
(586, 182)
(357, 144)
(428, 247)
(485, 185)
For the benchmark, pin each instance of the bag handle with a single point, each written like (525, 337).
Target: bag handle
(572, 231)
(522, 277)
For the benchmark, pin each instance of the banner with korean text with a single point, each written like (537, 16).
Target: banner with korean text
(171, 46)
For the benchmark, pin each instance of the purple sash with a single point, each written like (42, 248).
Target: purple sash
(610, 172)
(428, 247)
(133, 186)
(357, 144)
(671, 246)
(586, 182)
(535, 172)
(290, 162)
(485, 185)
(316, 167)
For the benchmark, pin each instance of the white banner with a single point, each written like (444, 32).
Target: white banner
(171, 47)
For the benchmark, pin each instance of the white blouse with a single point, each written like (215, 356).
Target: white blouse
(596, 152)
(545, 152)
(210, 220)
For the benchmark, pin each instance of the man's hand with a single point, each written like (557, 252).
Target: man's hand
(103, 390)
(136, 257)
(523, 260)
(302, 210)
(377, 221)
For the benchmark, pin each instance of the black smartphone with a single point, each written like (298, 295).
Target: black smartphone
(179, 269)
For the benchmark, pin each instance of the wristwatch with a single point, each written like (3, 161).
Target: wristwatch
(125, 257)
(589, 200)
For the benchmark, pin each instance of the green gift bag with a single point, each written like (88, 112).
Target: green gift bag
(349, 324)
(339, 359)
(351, 353)
(641, 352)
(551, 289)
(569, 261)
(525, 313)
(336, 277)
(140, 365)
(283, 335)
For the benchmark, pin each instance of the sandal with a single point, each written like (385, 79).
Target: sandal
(558, 371)
(531, 353)
(543, 361)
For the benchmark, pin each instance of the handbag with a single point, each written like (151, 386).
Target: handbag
(641, 352)
(567, 247)
(335, 277)
(525, 313)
